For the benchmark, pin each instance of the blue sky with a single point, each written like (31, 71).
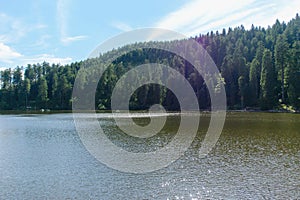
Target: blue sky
(63, 31)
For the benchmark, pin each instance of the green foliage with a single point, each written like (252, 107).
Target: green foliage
(254, 81)
(293, 76)
(258, 66)
(242, 89)
(42, 92)
(281, 58)
(267, 81)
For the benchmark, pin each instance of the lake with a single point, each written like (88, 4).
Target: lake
(256, 157)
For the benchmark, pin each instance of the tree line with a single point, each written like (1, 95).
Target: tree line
(260, 69)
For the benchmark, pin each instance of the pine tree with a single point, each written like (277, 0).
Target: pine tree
(267, 81)
(254, 81)
(242, 89)
(281, 55)
(42, 93)
(26, 91)
(293, 76)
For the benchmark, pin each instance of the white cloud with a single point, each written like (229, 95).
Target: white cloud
(46, 58)
(122, 26)
(11, 58)
(202, 16)
(62, 12)
(7, 54)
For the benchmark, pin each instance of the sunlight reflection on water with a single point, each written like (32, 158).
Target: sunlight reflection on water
(42, 157)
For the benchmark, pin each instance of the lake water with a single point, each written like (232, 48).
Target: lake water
(256, 157)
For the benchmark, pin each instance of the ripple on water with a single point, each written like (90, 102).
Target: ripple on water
(257, 157)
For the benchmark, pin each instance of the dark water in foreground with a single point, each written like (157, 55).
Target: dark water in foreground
(257, 157)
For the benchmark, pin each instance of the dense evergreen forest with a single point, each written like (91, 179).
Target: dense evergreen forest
(260, 67)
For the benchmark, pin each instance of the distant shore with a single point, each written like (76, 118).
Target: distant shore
(12, 112)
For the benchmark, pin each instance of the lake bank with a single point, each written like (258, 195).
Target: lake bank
(15, 112)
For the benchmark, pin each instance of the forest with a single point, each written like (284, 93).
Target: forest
(260, 69)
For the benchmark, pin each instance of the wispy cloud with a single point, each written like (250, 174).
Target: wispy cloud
(200, 16)
(67, 40)
(62, 10)
(121, 26)
(13, 29)
(42, 41)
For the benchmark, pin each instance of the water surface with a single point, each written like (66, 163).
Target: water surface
(257, 157)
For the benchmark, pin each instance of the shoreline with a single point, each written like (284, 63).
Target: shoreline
(20, 112)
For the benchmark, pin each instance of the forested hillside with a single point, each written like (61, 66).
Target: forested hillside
(260, 67)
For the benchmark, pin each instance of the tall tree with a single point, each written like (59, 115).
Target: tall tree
(254, 81)
(267, 81)
(242, 89)
(281, 55)
(17, 84)
(42, 93)
(6, 78)
(27, 87)
(293, 76)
